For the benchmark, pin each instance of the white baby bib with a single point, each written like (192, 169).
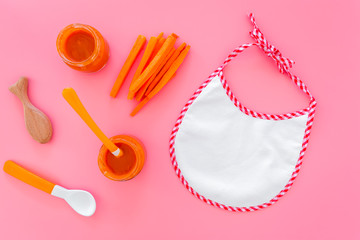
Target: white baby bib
(232, 157)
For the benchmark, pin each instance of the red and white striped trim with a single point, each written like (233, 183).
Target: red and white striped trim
(284, 64)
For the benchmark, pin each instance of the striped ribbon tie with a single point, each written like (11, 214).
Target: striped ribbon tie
(284, 64)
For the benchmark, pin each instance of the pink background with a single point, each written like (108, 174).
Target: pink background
(321, 36)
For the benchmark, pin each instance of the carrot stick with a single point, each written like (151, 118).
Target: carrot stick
(139, 106)
(160, 35)
(165, 68)
(144, 60)
(165, 79)
(156, 50)
(141, 92)
(151, 68)
(140, 41)
(159, 44)
(143, 102)
(168, 75)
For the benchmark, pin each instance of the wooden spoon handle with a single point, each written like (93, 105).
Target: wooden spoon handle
(37, 123)
(28, 177)
(20, 89)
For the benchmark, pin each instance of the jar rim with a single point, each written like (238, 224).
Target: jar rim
(61, 41)
(139, 152)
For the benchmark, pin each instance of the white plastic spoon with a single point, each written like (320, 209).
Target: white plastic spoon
(81, 201)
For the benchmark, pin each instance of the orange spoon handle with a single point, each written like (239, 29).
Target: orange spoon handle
(72, 98)
(24, 175)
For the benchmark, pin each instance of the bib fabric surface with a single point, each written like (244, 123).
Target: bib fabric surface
(232, 157)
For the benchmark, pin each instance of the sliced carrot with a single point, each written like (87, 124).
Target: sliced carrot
(144, 60)
(140, 41)
(168, 75)
(165, 79)
(165, 68)
(153, 65)
(160, 35)
(141, 92)
(143, 102)
(160, 41)
(139, 106)
(159, 44)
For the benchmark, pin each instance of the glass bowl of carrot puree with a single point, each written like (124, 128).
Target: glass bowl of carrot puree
(82, 48)
(128, 165)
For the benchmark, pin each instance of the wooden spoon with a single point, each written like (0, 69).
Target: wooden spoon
(37, 123)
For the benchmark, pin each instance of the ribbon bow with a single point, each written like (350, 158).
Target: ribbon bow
(284, 64)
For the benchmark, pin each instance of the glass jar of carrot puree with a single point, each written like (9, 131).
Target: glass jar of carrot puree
(82, 47)
(128, 165)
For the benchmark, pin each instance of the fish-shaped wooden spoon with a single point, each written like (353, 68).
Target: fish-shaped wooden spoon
(37, 123)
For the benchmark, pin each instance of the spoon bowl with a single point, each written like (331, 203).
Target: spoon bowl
(79, 200)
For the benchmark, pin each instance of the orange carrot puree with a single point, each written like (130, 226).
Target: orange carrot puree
(123, 164)
(79, 46)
